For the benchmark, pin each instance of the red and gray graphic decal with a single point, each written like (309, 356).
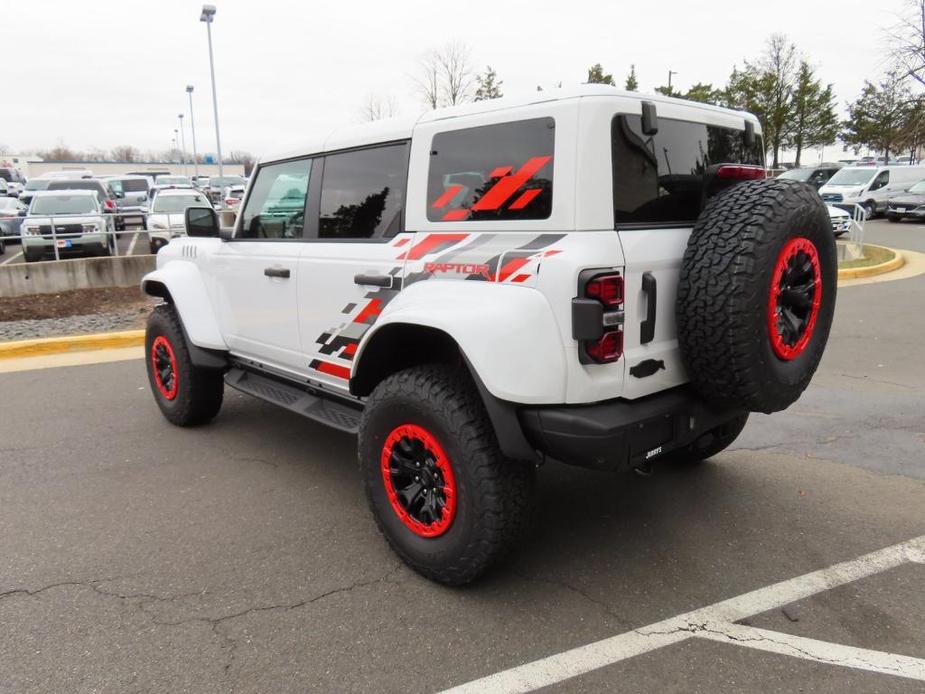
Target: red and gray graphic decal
(497, 194)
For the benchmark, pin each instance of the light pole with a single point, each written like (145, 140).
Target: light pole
(176, 140)
(192, 127)
(182, 143)
(208, 12)
(670, 73)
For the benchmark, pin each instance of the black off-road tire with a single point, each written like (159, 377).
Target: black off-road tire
(714, 441)
(494, 495)
(195, 397)
(726, 300)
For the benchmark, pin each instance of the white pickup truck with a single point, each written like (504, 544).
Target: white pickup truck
(594, 276)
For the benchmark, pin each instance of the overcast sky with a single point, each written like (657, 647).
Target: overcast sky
(101, 73)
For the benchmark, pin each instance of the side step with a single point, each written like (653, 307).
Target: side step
(290, 396)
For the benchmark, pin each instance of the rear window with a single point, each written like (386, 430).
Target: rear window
(76, 185)
(658, 179)
(134, 185)
(493, 172)
(6, 174)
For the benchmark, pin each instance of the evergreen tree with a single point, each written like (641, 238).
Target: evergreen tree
(815, 123)
(632, 84)
(596, 75)
(489, 86)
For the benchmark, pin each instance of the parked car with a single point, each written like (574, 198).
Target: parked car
(200, 181)
(871, 187)
(5, 189)
(217, 185)
(134, 197)
(232, 196)
(33, 185)
(841, 220)
(81, 225)
(12, 211)
(169, 183)
(489, 286)
(816, 176)
(13, 179)
(107, 196)
(909, 204)
(164, 220)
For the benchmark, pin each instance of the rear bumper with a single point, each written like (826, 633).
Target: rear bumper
(619, 433)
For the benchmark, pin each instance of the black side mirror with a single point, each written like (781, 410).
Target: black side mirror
(120, 194)
(23, 213)
(201, 222)
(649, 119)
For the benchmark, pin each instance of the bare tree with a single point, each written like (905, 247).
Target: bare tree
(124, 153)
(907, 42)
(4, 150)
(445, 76)
(378, 107)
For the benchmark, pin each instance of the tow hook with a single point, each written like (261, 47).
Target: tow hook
(644, 469)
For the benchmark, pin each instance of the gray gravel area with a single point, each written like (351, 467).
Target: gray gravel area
(73, 325)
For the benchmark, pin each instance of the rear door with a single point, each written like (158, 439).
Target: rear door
(657, 195)
(353, 257)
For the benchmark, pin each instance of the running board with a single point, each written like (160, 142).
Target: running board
(298, 400)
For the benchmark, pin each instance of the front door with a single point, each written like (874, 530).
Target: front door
(352, 267)
(255, 275)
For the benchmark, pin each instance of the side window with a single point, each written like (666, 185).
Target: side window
(492, 172)
(882, 179)
(362, 192)
(658, 179)
(820, 177)
(275, 208)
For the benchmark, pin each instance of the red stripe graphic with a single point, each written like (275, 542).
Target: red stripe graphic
(332, 369)
(510, 267)
(350, 349)
(429, 243)
(500, 171)
(448, 195)
(521, 278)
(525, 198)
(401, 242)
(499, 193)
(373, 308)
(455, 215)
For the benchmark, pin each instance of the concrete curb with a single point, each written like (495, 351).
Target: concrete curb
(71, 343)
(859, 272)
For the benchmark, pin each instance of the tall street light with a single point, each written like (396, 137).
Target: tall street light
(182, 143)
(208, 12)
(176, 140)
(192, 127)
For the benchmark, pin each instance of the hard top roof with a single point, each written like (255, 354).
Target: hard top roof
(400, 128)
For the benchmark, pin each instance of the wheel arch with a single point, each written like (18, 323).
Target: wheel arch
(180, 284)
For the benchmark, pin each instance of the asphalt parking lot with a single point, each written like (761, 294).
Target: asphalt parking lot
(137, 557)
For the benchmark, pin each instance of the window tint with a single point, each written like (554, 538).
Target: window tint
(276, 206)
(658, 179)
(493, 172)
(134, 185)
(362, 192)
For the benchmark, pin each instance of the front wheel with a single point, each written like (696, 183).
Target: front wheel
(186, 394)
(892, 219)
(444, 497)
(870, 209)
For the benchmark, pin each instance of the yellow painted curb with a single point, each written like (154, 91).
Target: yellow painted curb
(71, 343)
(855, 273)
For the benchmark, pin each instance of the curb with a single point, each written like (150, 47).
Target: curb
(71, 343)
(856, 273)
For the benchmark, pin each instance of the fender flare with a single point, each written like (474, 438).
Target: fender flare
(180, 283)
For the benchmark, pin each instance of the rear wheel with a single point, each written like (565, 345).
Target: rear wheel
(444, 497)
(186, 394)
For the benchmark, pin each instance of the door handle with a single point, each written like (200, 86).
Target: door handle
(277, 272)
(647, 327)
(384, 281)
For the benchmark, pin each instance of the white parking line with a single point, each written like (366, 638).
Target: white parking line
(578, 661)
(11, 258)
(131, 246)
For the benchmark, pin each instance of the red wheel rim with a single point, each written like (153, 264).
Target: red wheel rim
(795, 297)
(164, 363)
(418, 480)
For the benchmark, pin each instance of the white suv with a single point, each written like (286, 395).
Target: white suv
(597, 277)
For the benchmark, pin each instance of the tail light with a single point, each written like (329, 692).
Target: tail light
(231, 201)
(597, 317)
(740, 172)
(109, 205)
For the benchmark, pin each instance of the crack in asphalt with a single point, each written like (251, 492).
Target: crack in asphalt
(568, 586)
(84, 584)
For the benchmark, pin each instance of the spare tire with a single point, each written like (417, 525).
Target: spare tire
(757, 294)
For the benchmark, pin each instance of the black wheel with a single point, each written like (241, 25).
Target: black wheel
(870, 209)
(757, 294)
(153, 247)
(187, 395)
(444, 497)
(713, 442)
(2, 247)
(892, 219)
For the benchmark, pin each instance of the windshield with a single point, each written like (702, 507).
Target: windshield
(918, 188)
(797, 175)
(851, 177)
(222, 181)
(173, 180)
(176, 204)
(37, 184)
(63, 204)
